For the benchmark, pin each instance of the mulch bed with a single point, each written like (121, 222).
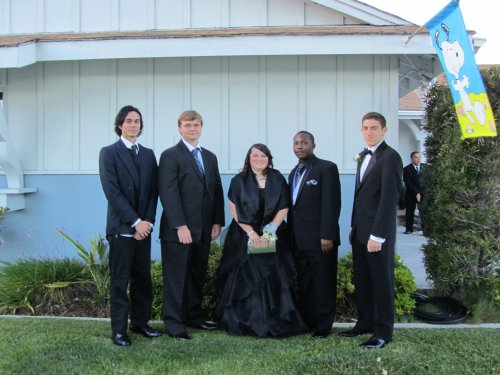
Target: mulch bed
(76, 308)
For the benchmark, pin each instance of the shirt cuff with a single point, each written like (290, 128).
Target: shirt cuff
(377, 239)
(136, 222)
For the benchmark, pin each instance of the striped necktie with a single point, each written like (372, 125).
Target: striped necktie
(197, 157)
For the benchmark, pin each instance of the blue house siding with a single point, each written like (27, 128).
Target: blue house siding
(77, 204)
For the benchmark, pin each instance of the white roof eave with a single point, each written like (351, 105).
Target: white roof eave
(363, 12)
(248, 45)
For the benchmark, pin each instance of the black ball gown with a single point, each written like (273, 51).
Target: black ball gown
(255, 292)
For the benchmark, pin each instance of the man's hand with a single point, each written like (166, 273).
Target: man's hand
(326, 246)
(374, 246)
(215, 231)
(142, 230)
(184, 235)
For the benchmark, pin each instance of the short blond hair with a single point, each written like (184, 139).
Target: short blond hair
(189, 115)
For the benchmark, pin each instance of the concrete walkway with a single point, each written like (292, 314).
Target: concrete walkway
(409, 248)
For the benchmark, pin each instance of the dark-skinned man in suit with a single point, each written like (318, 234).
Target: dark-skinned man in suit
(191, 194)
(373, 234)
(313, 220)
(128, 173)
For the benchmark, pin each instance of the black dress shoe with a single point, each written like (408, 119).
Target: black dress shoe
(320, 334)
(353, 332)
(121, 339)
(146, 331)
(373, 343)
(208, 325)
(408, 232)
(181, 336)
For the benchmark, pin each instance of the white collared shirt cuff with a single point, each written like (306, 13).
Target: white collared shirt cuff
(377, 239)
(136, 222)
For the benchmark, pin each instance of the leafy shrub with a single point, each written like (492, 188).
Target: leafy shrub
(96, 263)
(462, 256)
(209, 293)
(28, 282)
(404, 287)
(31, 281)
(157, 279)
(346, 307)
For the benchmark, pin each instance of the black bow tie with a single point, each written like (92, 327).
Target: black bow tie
(365, 152)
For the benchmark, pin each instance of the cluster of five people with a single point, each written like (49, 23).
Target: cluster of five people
(255, 292)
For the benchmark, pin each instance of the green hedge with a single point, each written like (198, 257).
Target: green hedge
(462, 215)
(25, 283)
(404, 287)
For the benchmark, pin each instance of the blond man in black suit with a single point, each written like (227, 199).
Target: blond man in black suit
(191, 194)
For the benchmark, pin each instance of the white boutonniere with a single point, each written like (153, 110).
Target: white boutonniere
(312, 182)
(359, 157)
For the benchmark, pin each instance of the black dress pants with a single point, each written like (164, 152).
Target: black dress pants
(411, 204)
(184, 271)
(374, 289)
(129, 262)
(317, 286)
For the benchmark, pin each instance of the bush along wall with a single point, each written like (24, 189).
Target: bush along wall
(66, 287)
(404, 288)
(462, 217)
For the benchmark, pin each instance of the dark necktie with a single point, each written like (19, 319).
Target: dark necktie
(196, 155)
(300, 170)
(134, 151)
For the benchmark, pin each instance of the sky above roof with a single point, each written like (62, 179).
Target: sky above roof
(479, 15)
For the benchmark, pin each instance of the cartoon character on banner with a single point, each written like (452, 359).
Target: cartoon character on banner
(454, 58)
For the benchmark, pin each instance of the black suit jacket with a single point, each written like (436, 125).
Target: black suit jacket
(121, 183)
(412, 181)
(187, 197)
(315, 214)
(376, 197)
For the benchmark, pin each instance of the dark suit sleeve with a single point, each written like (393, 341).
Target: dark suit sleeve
(219, 217)
(409, 180)
(330, 201)
(389, 196)
(108, 173)
(150, 214)
(168, 189)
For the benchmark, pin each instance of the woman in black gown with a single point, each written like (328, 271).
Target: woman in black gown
(255, 290)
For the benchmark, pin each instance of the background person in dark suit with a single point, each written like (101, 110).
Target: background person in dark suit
(373, 233)
(193, 212)
(313, 219)
(128, 177)
(414, 192)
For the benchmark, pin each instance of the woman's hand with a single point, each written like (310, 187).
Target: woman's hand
(258, 241)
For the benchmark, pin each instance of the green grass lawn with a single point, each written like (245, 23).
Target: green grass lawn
(59, 346)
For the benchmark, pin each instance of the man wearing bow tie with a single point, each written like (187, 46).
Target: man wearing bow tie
(313, 220)
(414, 192)
(128, 177)
(190, 192)
(373, 234)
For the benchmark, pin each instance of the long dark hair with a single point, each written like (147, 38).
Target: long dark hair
(122, 114)
(262, 148)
